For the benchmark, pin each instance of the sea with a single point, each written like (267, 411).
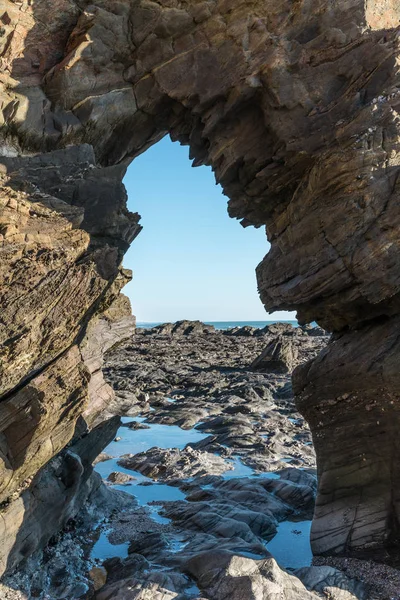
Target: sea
(226, 324)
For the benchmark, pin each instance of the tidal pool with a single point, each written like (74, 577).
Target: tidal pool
(291, 546)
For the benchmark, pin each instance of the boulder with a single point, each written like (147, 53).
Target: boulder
(279, 356)
(225, 575)
(119, 478)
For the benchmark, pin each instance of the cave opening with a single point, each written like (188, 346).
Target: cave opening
(191, 261)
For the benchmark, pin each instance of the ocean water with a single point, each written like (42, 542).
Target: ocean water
(225, 324)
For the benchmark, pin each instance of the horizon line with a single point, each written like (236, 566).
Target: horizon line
(220, 321)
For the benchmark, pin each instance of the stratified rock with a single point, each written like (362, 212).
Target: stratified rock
(278, 329)
(358, 482)
(155, 585)
(314, 331)
(118, 568)
(149, 545)
(55, 496)
(245, 331)
(112, 327)
(279, 356)
(135, 425)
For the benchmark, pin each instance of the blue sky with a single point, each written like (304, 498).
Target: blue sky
(191, 261)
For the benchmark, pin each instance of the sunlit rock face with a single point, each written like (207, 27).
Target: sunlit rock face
(294, 105)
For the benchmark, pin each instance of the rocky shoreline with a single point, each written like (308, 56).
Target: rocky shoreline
(210, 478)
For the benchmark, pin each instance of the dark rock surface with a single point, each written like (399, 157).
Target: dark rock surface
(210, 380)
(359, 459)
(280, 355)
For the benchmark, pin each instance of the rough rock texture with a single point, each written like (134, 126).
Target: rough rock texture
(223, 575)
(55, 496)
(204, 380)
(332, 583)
(295, 107)
(228, 506)
(148, 586)
(280, 355)
(61, 310)
(359, 386)
(175, 463)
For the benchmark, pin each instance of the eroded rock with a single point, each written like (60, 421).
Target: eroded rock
(295, 107)
(174, 463)
(279, 356)
(222, 575)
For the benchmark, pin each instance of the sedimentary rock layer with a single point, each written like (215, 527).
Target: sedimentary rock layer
(350, 397)
(61, 309)
(295, 107)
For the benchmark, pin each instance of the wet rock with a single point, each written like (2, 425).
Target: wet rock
(241, 409)
(154, 585)
(296, 116)
(302, 497)
(136, 425)
(57, 494)
(332, 583)
(120, 478)
(98, 575)
(118, 568)
(305, 477)
(149, 546)
(102, 457)
(174, 463)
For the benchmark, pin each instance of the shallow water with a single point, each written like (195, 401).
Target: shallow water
(239, 469)
(291, 546)
(103, 549)
(270, 475)
(132, 442)
(143, 493)
(163, 436)
(135, 441)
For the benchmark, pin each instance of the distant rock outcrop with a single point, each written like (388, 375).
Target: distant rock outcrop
(279, 356)
(182, 328)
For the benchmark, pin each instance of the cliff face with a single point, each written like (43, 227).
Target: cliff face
(294, 105)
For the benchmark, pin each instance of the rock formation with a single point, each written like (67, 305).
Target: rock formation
(295, 107)
(280, 355)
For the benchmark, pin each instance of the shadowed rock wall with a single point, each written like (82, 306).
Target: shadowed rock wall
(295, 107)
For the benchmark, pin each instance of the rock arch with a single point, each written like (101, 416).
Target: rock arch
(295, 107)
